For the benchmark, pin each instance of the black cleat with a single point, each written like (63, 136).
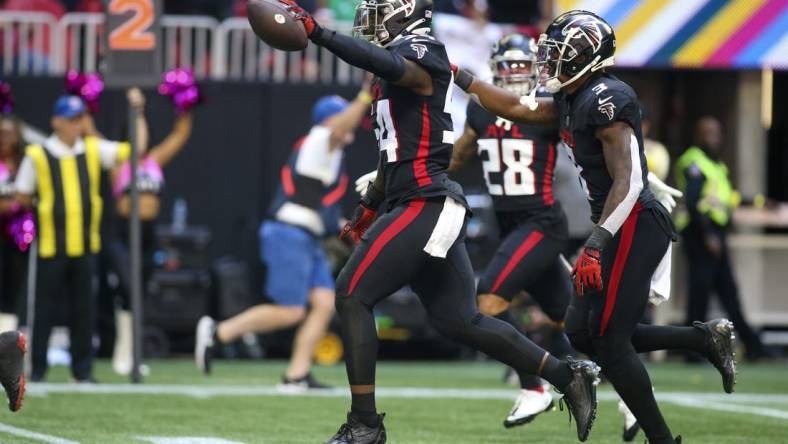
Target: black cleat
(629, 433)
(205, 343)
(356, 432)
(719, 344)
(12, 352)
(580, 395)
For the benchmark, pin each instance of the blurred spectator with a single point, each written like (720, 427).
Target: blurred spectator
(703, 177)
(63, 174)
(150, 183)
(299, 280)
(13, 251)
(530, 16)
(54, 7)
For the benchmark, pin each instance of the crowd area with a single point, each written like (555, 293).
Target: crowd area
(520, 12)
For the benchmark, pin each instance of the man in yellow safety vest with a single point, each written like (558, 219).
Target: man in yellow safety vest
(710, 198)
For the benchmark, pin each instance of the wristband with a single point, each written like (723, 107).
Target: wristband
(463, 79)
(598, 239)
(373, 197)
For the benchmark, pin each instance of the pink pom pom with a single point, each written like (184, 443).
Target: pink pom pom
(6, 98)
(180, 86)
(87, 86)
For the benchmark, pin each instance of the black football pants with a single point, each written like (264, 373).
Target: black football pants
(605, 324)
(390, 256)
(65, 284)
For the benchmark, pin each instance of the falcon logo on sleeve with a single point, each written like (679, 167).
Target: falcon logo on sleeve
(419, 49)
(607, 107)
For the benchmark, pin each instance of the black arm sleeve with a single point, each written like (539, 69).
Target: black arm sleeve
(364, 55)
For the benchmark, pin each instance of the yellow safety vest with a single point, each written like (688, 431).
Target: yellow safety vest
(718, 198)
(69, 201)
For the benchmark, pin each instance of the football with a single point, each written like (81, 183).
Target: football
(276, 26)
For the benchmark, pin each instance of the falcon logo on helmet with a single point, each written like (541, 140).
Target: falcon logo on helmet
(584, 29)
(575, 43)
(383, 21)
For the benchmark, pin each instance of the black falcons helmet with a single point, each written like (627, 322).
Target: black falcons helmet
(575, 43)
(381, 21)
(513, 63)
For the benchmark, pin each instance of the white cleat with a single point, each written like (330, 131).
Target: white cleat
(631, 426)
(204, 344)
(528, 406)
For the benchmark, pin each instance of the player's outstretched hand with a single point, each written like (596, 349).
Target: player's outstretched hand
(665, 195)
(587, 272)
(363, 217)
(310, 25)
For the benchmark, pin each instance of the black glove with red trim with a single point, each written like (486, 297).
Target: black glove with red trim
(364, 215)
(587, 272)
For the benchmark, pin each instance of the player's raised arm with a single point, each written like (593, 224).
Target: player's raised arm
(506, 103)
(365, 55)
(464, 149)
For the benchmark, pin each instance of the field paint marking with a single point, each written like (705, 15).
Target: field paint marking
(11, 430)
(735, 408)
(185, 440)
(208, 391)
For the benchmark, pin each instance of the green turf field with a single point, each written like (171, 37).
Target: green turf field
(239, 404)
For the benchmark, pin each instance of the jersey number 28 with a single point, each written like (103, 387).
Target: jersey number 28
(514, 157)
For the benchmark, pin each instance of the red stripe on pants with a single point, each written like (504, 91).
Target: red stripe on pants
(627, 234)
(528, 244)
(420, 164)
(399, 224)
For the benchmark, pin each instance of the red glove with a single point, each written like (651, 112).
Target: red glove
(300, 14)
(587, 272)
(363, 217)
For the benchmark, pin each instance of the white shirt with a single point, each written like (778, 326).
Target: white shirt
(26, 177)
(316, 159)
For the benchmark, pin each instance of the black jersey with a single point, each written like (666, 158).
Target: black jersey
(602, 100)
(518, 161)
(414, 132)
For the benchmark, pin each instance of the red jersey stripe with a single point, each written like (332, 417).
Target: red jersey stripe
(420, 164)
(547, 180)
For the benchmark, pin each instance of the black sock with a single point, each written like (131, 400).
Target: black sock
(556, 372)
(648, 338)
(363, 405)
(528, 381)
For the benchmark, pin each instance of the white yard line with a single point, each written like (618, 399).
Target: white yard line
(207, 391)
(11, 430)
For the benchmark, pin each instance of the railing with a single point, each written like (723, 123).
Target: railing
(28, 40)
(213, 50)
